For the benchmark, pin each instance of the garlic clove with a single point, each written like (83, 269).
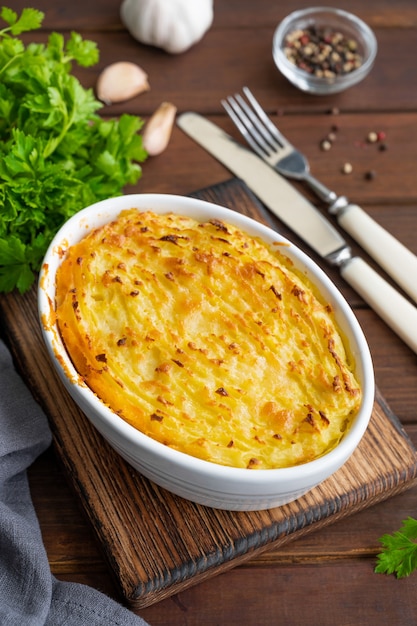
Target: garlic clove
(158, 129)
(121, 81)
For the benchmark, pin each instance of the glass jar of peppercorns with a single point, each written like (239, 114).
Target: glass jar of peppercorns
(324, 50)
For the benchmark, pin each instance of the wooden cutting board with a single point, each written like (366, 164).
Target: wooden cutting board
(157, 544)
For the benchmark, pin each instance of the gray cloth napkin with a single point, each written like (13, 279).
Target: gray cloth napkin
(29, 594)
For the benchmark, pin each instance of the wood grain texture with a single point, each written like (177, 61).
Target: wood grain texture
(292, 595)
(158, 544)
(103, 15)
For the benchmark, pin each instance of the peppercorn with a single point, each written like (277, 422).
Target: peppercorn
(325, 145)
(370, 175)
(372, 137)
(322, 52)
(347, 168)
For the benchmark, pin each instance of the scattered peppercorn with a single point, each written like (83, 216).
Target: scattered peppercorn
(325, 145)
(372, 137)
(323, 52)
(328, 141)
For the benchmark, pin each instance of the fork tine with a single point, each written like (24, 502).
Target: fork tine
(246, 127)
(257, 126)
(242, 123)
(265, 119)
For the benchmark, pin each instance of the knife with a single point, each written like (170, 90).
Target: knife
(292, 208)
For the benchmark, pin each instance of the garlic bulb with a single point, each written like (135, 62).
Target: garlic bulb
(173, 25)
(121, 81)
(158, 129)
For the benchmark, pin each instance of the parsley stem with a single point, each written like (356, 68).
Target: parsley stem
(9, 62)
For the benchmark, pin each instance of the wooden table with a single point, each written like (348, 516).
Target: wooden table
(325, 577)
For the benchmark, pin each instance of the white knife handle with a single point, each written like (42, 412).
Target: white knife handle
(399, 262)
(391, 306)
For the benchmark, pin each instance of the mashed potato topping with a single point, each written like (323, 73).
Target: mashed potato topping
(207, 340)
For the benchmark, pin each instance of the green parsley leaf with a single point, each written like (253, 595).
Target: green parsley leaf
(30, 19)
(399, 555)
(84, 52)
(14, 269)
(57, 155)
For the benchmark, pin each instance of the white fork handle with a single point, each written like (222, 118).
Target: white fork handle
(397, 260)
(391, 306)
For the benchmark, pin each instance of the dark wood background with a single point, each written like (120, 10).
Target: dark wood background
(326, 577)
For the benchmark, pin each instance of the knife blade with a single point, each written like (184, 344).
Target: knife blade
(307, 222)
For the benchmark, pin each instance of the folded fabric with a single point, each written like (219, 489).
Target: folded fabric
(29, 594)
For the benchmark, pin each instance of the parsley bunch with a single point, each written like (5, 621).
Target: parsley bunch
(57, 155)
(399, 555)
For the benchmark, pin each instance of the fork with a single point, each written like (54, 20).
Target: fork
(270, 144)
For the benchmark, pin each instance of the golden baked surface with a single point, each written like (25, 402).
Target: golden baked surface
(205, 339)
